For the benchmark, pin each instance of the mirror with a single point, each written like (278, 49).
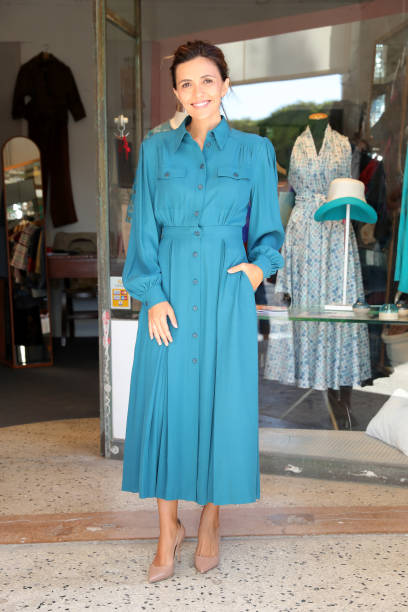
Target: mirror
(24, 307)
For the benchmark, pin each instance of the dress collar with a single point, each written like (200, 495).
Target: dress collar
(220, 132)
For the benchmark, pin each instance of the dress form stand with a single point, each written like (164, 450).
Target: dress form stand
(313, 167)
(317, 124)
(178, 117)
(326, 401)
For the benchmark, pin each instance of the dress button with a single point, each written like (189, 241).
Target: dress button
(194, 360)
(195, 253)
(196, 233)
(200, 186)
(195, 334)
(195, 281)
(196, 213)
(167, 174)
(202, 166)
(195, 307)
(235, 173)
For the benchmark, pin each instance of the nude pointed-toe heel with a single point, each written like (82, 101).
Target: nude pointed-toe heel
(162, 572)
(205, 564)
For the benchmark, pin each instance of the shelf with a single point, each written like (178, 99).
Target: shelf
(319, 314)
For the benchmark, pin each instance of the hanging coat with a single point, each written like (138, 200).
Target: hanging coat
(45, 91)
(192, 424)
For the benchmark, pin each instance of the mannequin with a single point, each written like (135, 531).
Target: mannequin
(318, 124)
(178, 117)
(317, 354)
(340, 400)
(171, 124)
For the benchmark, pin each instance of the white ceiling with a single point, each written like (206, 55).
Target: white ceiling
(169, 18)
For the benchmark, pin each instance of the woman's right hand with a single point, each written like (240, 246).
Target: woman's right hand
(158, 326)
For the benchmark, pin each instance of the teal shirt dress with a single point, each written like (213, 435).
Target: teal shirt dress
(192, 423)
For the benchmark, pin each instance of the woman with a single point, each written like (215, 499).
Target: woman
(192, 425)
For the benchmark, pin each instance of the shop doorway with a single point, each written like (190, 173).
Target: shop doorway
(52, 379)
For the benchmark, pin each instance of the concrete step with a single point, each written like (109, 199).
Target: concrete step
(330, 454)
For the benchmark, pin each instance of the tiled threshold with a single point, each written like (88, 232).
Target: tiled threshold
(235, 522)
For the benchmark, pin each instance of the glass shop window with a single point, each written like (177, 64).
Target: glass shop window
(333, 101)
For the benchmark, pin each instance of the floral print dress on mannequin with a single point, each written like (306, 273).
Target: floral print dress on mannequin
(318, 355)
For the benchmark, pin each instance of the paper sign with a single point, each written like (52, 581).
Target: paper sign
(120, 298)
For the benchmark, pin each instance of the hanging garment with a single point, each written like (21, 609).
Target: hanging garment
(192, 423)
(373, 176)
(21, 254)
(124, 163)
(312, 354)
(45, 91)
(401, 264)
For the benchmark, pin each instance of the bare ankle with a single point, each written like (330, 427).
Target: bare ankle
(211, 514)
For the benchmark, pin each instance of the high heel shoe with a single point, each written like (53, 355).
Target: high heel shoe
(161, 572)
(204, 564)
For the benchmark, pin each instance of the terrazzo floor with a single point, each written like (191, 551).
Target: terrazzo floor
(279, 575)
(55, 467)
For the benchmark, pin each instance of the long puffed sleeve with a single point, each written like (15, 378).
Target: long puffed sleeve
(21, 89)
(141, 273)
(265, 233)
(74, 101)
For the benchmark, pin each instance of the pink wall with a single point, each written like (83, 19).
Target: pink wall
(162, 102)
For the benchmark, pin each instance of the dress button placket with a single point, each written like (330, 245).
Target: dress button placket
(196, 293)
(196, 261)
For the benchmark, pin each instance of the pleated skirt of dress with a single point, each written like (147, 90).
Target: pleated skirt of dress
(192, 424)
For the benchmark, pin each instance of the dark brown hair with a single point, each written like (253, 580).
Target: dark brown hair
(198, 48)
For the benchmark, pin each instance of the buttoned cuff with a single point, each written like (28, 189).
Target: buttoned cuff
(267, 266)
(154, 296)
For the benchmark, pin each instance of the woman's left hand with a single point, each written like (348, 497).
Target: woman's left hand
(253, 272)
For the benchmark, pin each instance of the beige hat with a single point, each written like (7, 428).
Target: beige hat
(343, 191)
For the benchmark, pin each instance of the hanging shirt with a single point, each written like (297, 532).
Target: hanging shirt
(401, 264)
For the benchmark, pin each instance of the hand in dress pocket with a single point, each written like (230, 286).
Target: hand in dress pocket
(253, 272)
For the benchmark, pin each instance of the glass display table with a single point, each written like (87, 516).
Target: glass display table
(279, 313)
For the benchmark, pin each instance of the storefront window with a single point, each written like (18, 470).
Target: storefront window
(320, 368)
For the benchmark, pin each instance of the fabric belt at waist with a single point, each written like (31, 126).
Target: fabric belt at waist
(310, 195)
(202, 231)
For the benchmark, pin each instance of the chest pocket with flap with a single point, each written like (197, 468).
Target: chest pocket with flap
(171, 172)
(235, 172)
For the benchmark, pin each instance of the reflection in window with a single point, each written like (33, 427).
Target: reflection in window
(380, 62)
(260, 100)
(377, 109)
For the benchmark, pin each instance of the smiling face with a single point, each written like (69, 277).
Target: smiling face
(200, 88)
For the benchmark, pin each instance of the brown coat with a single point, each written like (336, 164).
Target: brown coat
(45, 91)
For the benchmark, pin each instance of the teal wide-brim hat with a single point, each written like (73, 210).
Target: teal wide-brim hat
(343, 191)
